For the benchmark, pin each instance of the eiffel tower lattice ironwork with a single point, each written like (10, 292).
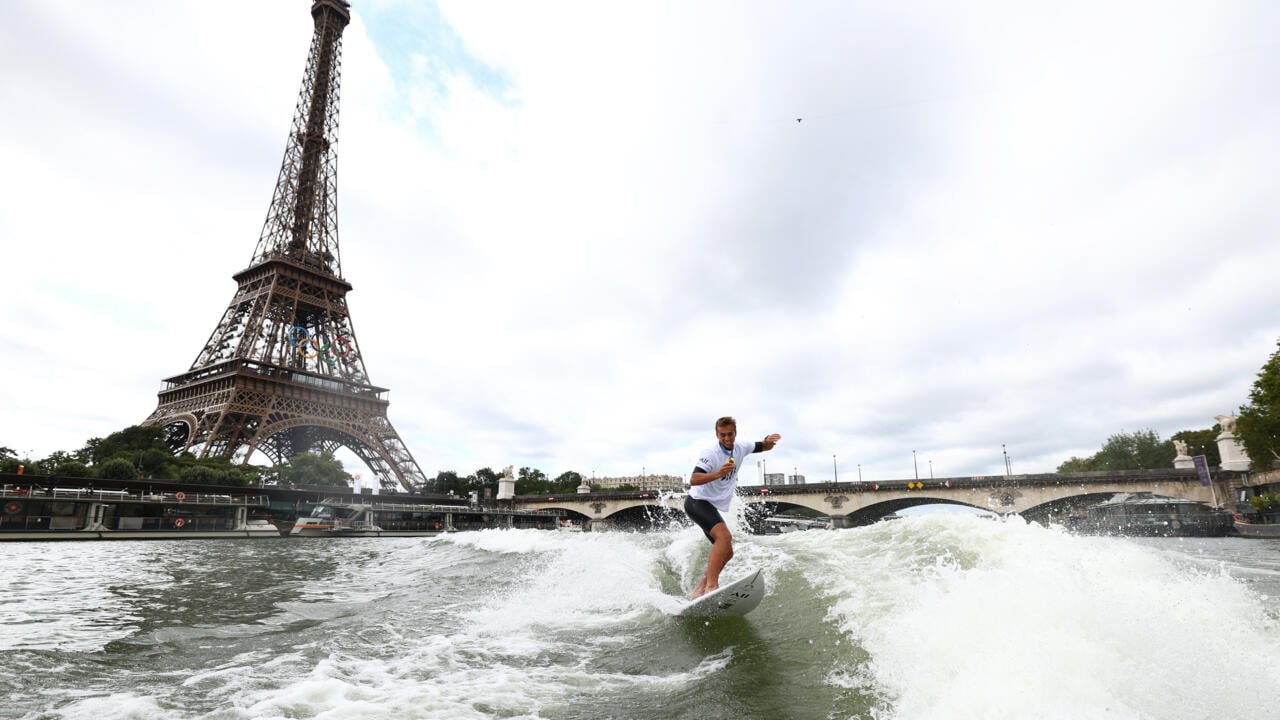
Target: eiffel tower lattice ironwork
(282, 372)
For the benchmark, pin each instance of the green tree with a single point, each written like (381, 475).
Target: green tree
(567, 482)
(1126, 451)
(314, 469)
(201, 475)
(1076, 464)
(531, 481)
(1258, 423)
(484, 479)
(133, 439)
(117, 469)
(1141, 450)
(65, 464)
(215, 471)
(447, 481)
(1202, 442)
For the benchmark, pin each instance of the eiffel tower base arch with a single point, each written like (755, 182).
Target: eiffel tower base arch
(238, 414)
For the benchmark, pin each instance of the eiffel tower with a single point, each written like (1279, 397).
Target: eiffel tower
(282, 372)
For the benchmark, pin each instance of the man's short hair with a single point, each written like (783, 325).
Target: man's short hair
(727, 421)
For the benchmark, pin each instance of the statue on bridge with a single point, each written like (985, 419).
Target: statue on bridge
(506, 484)
(1229, 448)
(1182, 459)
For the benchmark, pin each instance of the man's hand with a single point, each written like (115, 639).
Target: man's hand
(771, 440)
(727, 467)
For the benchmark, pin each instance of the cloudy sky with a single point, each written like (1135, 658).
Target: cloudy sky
(578, 232)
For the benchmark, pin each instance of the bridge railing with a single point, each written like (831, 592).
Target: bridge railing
(1081, 479)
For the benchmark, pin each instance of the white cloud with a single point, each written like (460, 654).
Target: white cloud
(579, 233)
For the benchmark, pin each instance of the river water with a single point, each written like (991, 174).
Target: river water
(933, 616)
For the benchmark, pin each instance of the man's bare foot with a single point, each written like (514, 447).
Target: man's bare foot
(702, 589)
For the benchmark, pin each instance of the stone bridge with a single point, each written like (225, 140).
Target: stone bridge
(1036, 497)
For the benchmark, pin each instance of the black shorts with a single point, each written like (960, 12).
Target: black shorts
(704, 514)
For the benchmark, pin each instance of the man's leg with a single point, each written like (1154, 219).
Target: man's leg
(721, 553)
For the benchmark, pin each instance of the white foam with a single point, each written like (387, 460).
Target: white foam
(116, 706)
(969, 618)
(961, 618)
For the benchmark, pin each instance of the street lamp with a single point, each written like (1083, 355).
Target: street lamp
(1008, 469)
(915, 464)
(834, 471)
(859, 472)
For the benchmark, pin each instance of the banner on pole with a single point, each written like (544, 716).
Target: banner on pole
(1202, 469)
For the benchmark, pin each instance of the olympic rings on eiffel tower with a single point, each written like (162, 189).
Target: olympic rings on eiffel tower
(305, 341)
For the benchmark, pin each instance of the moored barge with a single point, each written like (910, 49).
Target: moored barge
(32, 512)
(339, 517)
(1256, 528)
(1148, 515)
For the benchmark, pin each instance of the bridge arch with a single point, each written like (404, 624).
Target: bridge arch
(1037, 497)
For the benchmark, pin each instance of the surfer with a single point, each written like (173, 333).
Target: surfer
(712, 484)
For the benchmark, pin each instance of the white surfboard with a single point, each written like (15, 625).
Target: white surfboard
(735, 599)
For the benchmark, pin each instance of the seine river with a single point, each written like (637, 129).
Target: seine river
(943, 616)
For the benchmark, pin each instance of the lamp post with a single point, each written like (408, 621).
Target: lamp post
(835, 472)
(915, 464)
(1008, 469)
(859, 472)
(930, 469)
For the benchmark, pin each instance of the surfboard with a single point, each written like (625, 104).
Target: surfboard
(735, 599)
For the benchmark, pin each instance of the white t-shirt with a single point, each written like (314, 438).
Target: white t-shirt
(720, 491)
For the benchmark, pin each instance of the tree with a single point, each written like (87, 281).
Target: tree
(1202, 442)
(447, 481)
(1076, 464)
(1126, 451)
(1258, 423)
(63, 463)
(484, 479)
(1136, 451)
(531, 481)
(313, 469)
(201, 475)
(567, 482)
(217, 471)
(117, 469)
(133, 439)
